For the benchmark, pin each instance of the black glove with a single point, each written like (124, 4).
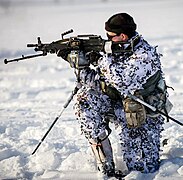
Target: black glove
(63, 53)
(93, 57)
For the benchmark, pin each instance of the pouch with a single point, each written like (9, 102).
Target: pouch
(135, 112)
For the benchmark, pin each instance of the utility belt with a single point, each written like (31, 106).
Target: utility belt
(154, 93)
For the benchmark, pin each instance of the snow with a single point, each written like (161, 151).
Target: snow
(33, 92)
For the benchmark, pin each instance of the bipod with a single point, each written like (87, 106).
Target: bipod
(56, 119)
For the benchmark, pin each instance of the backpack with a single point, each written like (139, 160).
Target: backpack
(155, 93)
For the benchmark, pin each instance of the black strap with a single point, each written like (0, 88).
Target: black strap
(151, 84)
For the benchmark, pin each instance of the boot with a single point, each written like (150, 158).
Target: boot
(102, 151)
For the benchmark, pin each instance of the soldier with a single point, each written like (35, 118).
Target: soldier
(105, 97)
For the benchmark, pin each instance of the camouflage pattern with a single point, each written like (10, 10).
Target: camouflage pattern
(127, 72)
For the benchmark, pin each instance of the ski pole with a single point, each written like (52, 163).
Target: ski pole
(153, 108)
(56, 119)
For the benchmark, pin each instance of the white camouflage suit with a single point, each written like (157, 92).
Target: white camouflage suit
(127, 73)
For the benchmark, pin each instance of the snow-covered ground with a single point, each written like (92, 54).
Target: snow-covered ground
(33, 92)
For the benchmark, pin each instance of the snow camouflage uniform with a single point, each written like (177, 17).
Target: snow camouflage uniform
(127, 72)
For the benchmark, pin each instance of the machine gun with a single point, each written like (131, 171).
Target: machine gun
(77, 44)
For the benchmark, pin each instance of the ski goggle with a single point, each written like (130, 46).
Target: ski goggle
(112, 36)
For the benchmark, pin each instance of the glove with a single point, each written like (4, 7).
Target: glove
(63, 53)
(93, 57)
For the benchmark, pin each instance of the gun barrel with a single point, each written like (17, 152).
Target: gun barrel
(24, 57)
(32, 45)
